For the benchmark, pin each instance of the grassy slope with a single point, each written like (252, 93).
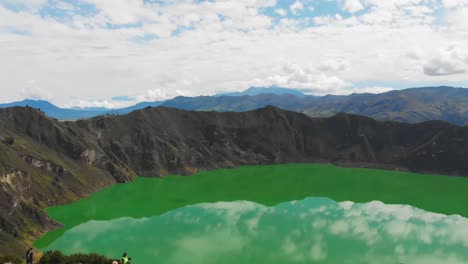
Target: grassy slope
(268, 185)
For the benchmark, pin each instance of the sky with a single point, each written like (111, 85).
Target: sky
(113, 53)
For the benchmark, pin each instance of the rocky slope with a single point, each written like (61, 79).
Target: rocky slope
(45, 162)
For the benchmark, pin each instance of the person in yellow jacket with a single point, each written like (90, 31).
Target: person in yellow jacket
(125, 259)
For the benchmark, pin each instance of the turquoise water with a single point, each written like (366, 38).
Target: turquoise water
(314, 230)
(266, 185)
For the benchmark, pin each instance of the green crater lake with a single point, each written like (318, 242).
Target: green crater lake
(272, 214)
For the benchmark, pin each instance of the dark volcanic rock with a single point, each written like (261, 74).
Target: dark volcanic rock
(52, 162)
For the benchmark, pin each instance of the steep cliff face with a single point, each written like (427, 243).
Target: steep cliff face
(45, 162)
(174, 140)
(40, 166)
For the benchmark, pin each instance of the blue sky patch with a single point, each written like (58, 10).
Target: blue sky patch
(19, 31)
(123, 98)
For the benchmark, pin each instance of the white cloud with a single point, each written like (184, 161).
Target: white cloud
(339, 228)
(455, 3)
(33, 91)
(448, 61)
(334, 65)
(346, 205)
(30, 4)
(372, 89)
(193, 48)
(353, 6)
(92, 103)
(296, 6)
(457, 18)
(65, 6)
(293, 75)
(318, 252)
(281, 11)
(124, 11)
(399, 230)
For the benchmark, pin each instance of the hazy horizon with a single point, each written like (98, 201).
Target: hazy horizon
(130, 102)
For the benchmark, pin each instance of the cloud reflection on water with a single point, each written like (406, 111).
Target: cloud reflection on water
(314, 230)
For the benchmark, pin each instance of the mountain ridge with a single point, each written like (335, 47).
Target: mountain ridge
(411, 105)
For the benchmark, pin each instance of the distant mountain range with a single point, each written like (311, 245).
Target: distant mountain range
(253, 91)
(77, 113)
(56, 112)
(409, 105)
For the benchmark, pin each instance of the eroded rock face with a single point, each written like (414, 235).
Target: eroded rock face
(51, 162)
(20, 209)
(44, 165)
(11, 175)
(90, 156)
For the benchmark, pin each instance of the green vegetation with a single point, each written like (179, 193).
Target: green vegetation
(56, 257)
(267, 185)
(8, 259)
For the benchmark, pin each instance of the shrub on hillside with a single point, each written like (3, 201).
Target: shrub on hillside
(9, 259)
(56, 257)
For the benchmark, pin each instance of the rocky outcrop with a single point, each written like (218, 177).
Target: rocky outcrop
(45, 162)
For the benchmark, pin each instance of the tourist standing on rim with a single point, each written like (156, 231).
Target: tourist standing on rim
(29, 256)
(125, 259)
